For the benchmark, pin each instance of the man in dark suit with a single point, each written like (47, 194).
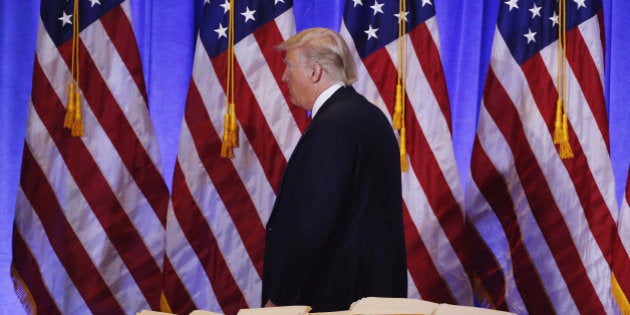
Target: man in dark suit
(335, 234)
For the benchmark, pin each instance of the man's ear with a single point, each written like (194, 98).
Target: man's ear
(316, 72)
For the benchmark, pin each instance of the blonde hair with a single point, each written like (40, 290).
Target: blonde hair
(327, 48)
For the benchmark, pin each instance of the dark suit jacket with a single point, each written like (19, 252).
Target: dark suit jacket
(335, 234)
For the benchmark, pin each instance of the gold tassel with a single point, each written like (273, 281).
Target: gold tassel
(398, 108)
(77, 123)
(565, 147)
(226, 148)
(403, 150)
(557, 132)
(233, 127)
(67, 122)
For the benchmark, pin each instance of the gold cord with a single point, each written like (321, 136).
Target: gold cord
(73, 119)
(561, 132)
(230, 125)
(398, 119)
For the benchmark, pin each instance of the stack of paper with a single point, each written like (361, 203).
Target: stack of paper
(278, 310)
(398, 306)
(365, 306)
(147, 312)
(200, 312)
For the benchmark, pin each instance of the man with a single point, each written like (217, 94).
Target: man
(335, 234)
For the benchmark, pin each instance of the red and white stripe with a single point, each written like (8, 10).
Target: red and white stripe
(91, 211)
(550, 223)
(215, 230)
(432, 192)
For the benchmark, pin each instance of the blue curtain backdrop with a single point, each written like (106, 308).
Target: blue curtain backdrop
(165, 32)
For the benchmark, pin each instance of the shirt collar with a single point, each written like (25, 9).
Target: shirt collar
(324, 96)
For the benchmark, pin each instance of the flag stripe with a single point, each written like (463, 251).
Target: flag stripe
(205, 245)
(497, 195)
(426, 277)
(56, 283)
(588, 79)
(96, 190)
(487, 271)
(429, 57)
(539, 195)
(28, 271)
(179, 300)
(61, 236)
(120, 32)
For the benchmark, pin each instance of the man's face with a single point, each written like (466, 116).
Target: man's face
(297, 76)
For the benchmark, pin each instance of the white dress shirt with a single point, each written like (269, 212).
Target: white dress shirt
(322, 98)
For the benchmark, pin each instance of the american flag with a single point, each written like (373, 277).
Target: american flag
(91, 211)
(550, 222)
(215, 229)
(437, 249)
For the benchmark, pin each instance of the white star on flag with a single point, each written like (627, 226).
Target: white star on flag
(580, 3)
(221, 31)
(359, 2)
(377, 7)
(554, 19)
(535, 10)
(93, 2)
(277, 1)
(65, 19)
(248, 14)
(425, 2)
(513, 4)
(404, 17)
(530, 36)
(371, 32)
(225, 6)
